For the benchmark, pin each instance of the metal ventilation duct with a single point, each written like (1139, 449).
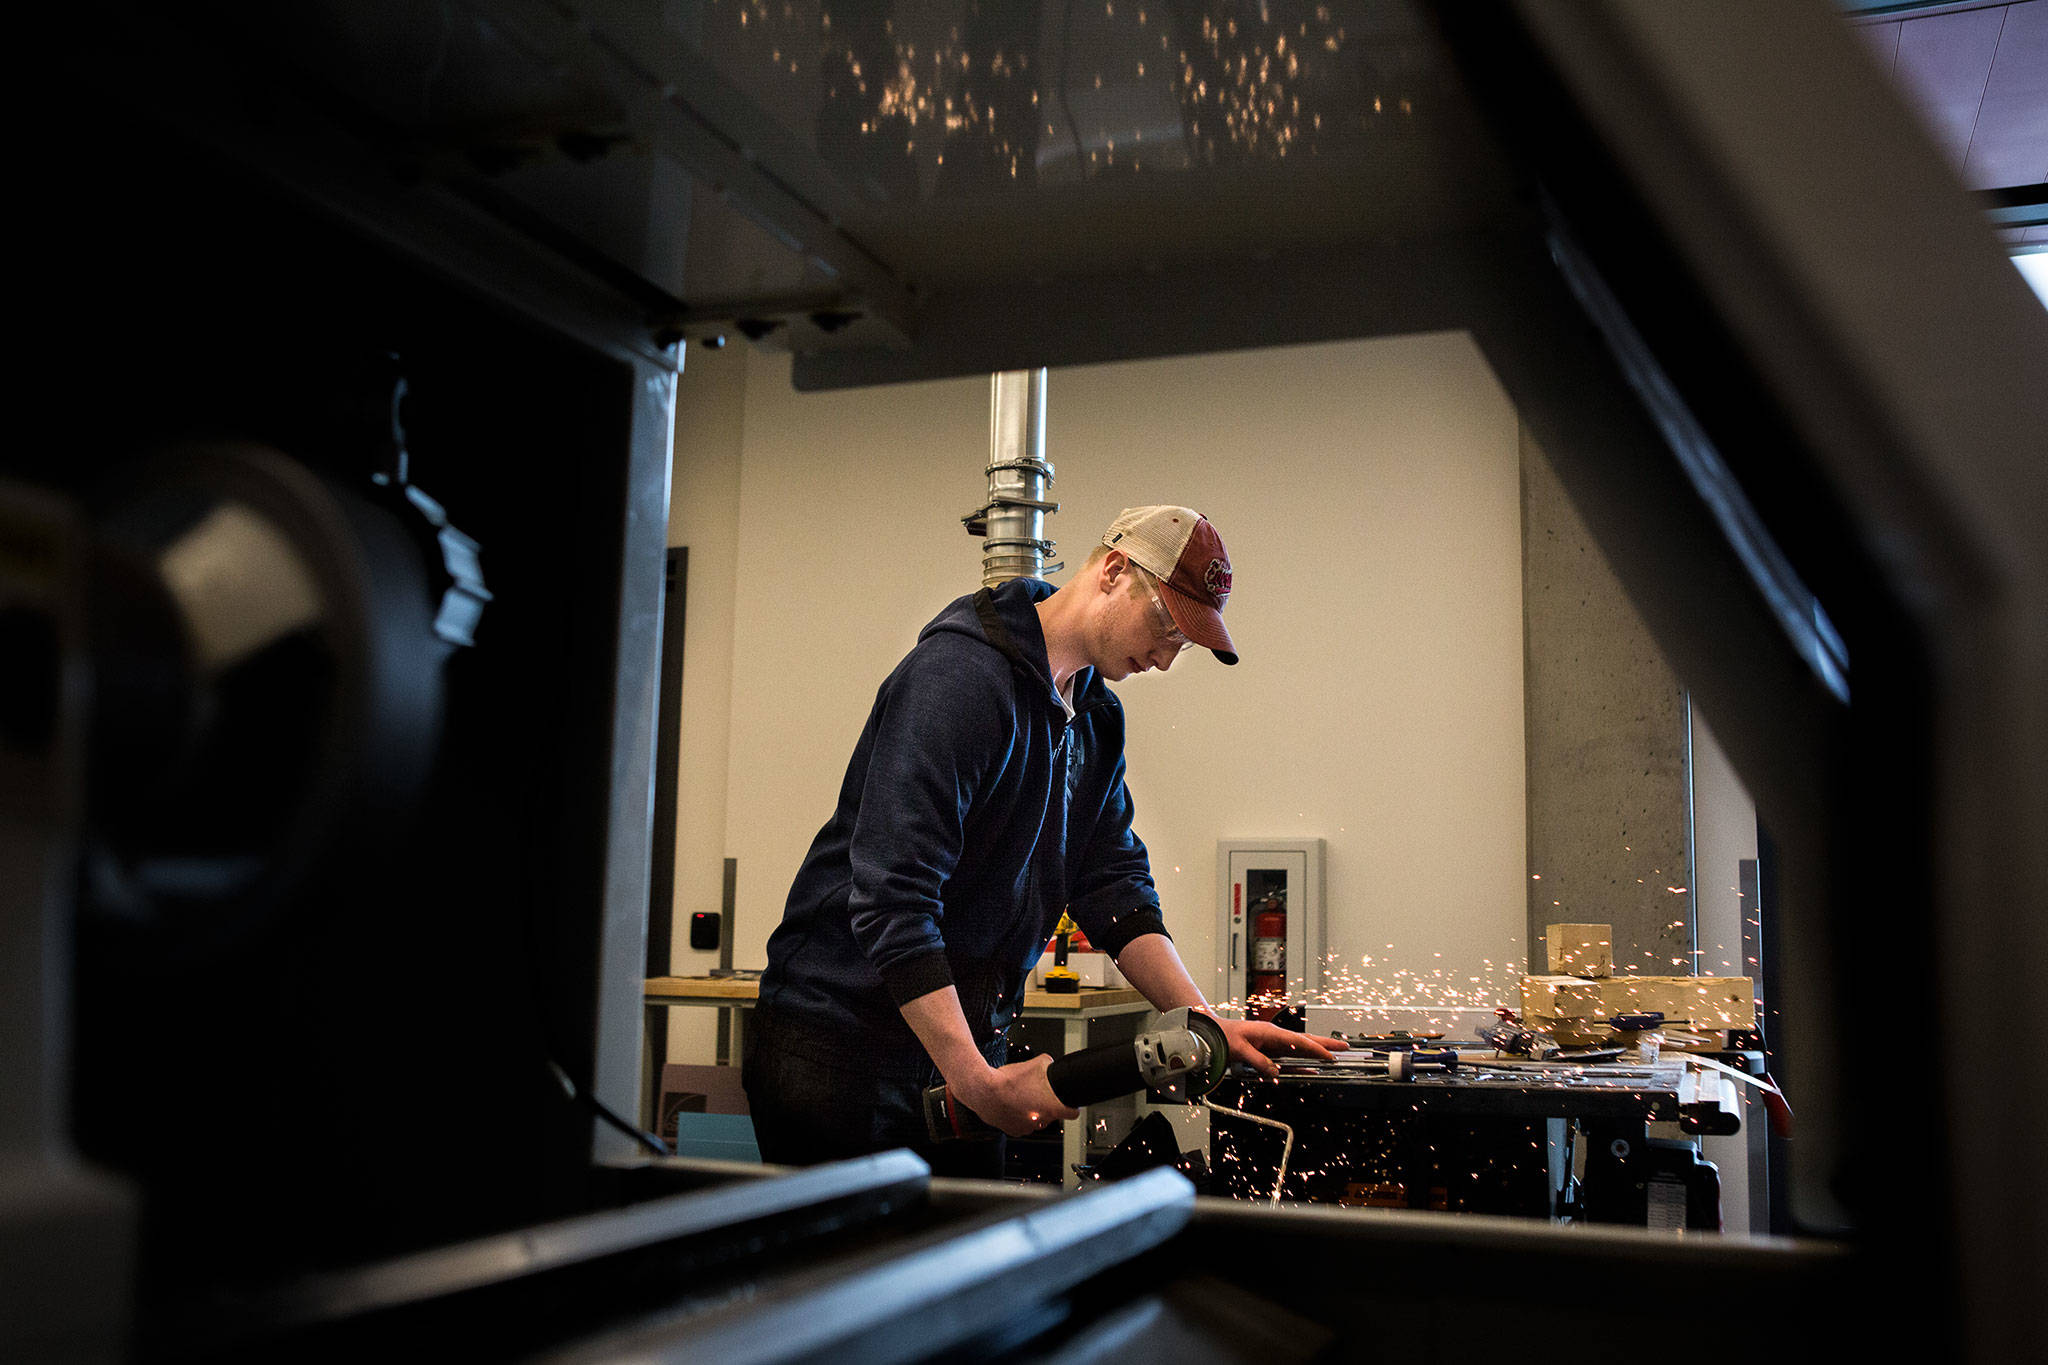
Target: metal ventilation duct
(1012, 521)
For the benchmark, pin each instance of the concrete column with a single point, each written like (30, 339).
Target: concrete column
(1609, 806)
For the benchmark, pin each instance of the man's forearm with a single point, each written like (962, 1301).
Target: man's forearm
(941, 1025)
(1152, 964)
(1015, 1098)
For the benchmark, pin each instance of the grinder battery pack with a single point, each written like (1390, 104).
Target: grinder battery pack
(1185, 1057)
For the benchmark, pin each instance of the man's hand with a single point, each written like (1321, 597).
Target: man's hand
(1015, 1098)
(1153, 965)
(1252, 1041)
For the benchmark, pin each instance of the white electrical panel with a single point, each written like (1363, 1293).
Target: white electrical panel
(1269, 927)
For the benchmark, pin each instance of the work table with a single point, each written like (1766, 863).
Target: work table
(1078, 1013)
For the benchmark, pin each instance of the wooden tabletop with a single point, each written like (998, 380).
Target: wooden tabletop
(704, 987)
(1088, 997)
(740, 990)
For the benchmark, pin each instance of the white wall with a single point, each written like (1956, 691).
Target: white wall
(704, 499)
(1368, 492)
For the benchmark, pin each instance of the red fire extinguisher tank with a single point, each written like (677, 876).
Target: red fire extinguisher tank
(1269, 951)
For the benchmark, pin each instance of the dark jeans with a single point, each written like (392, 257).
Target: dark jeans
(808, 1110)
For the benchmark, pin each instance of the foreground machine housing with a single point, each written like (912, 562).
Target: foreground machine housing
(1762, 402)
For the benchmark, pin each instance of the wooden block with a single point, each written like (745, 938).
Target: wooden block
(1707, 1002)
(1562, 997)
(1581, 950)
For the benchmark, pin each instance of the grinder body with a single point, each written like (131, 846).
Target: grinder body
(1186, 1057)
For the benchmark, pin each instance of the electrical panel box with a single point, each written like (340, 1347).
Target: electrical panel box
(1269, 927)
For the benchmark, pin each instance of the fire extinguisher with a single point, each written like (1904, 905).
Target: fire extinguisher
(1269, 953)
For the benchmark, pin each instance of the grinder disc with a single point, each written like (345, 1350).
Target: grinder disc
(1211, 1033)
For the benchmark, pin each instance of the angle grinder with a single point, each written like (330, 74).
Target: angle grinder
(1184, 1058)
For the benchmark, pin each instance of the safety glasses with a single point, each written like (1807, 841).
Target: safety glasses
(1163, 617)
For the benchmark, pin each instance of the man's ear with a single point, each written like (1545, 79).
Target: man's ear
(1115, 567)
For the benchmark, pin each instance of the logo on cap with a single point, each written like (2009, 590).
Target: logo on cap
(1217, 580)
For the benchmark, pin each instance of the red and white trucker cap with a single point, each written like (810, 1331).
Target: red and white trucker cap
(1179, 547)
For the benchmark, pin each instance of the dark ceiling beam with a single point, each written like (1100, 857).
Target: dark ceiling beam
(1893, 9)
(2016, 205)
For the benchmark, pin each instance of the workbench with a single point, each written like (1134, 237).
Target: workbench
(1490, 1135)
(1080, 1016)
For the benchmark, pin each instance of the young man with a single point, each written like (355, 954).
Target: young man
(985, 795)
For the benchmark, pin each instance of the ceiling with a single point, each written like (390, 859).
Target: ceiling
(839, 177)
(1978, 74)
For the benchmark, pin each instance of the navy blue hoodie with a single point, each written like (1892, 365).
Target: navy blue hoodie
(972, 813)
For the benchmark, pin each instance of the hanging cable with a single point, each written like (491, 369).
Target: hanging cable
(1286, 1148)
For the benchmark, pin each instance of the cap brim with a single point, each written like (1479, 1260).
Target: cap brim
(1199, 621)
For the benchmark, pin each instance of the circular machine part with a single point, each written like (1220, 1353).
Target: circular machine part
(268, 695)
(1211, 1033)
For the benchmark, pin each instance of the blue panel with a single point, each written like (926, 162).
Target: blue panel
(727, 1137)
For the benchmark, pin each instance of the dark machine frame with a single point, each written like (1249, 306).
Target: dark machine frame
(1773, 352)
